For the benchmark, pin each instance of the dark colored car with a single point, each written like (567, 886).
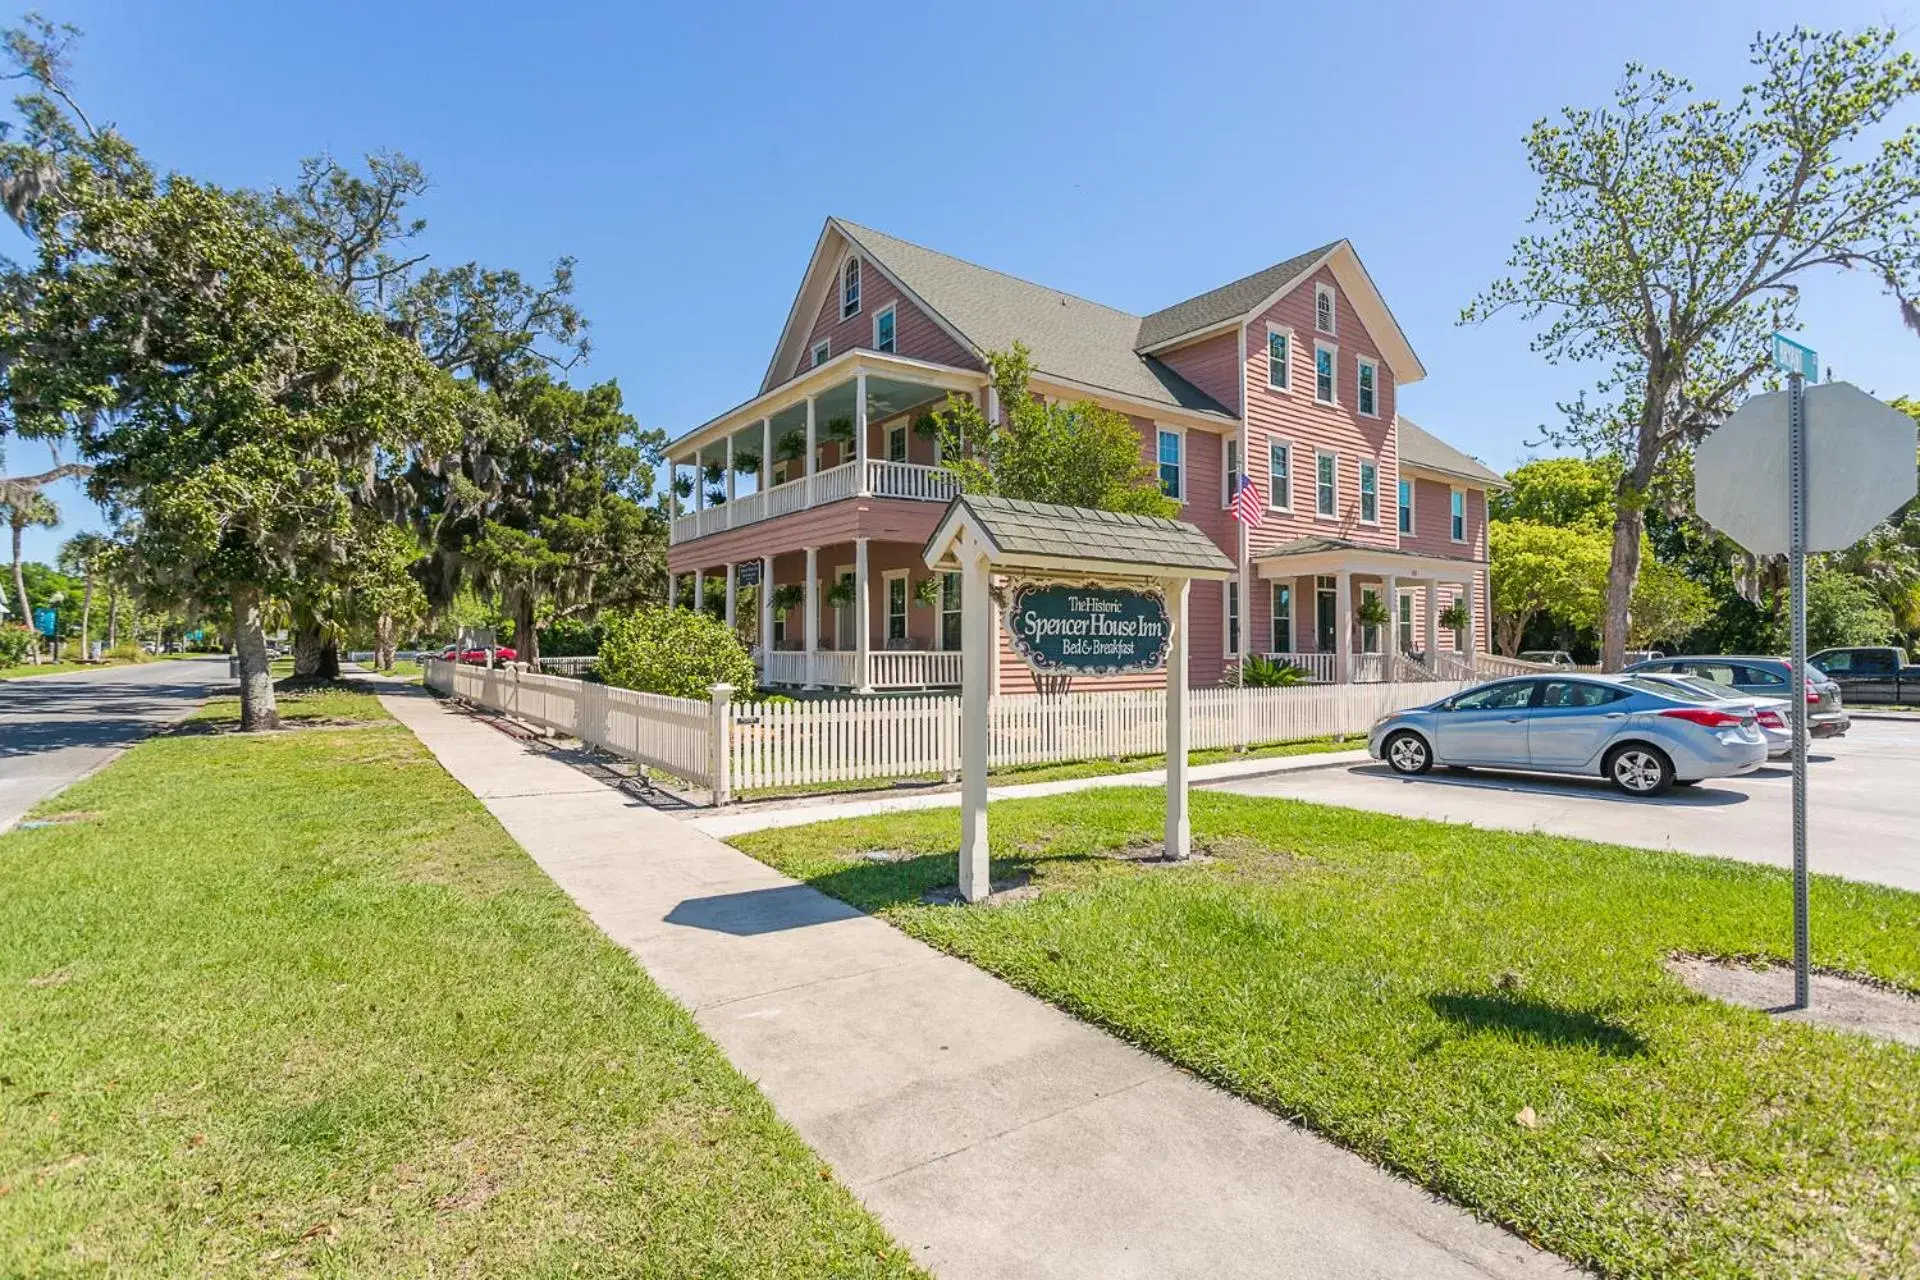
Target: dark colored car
(1871, 673)
(1764, 678)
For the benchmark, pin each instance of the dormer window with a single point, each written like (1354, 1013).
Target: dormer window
(850, 289)
(1323, 308)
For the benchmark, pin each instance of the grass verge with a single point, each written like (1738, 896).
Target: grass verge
(1486, 1013)
(295, 1003)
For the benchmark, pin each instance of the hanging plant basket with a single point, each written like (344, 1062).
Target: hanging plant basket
(926, 592)
(788, 598)
(840, 594)
(1456, 616)
(747, 464)
(1373, 612)
(683, 485)
(839, 430)
(792, 445)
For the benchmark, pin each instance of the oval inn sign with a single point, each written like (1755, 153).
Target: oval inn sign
(1060, 629)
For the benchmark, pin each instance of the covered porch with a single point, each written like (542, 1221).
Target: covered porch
(1344, 613)
(846, 429)
(862, 615)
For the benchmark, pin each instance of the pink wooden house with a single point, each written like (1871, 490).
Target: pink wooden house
(1290, 375)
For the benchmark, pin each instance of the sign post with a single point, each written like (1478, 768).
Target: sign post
(1805, 470)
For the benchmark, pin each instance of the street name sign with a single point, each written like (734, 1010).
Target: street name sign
(1860, 468)
(1061, 629)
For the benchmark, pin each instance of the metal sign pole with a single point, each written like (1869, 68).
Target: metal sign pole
(1797, 606)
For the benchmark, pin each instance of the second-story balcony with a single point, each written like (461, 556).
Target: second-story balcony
(850, 428)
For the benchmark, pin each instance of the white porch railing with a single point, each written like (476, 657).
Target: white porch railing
(1318, 667)
(1369, 668)
(840, 669)
(1493, 664)
(911, 669)
(900, 480)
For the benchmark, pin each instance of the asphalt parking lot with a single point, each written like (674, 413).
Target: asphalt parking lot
(1863, 811)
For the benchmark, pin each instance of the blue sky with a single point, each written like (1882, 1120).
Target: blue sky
(1134, 154)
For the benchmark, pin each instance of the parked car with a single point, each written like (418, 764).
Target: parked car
(1549, 658)
(1633, 656)
(1642, 735)
(1764, 678)
(1774, 716)
(478, 657)
(1870, 673)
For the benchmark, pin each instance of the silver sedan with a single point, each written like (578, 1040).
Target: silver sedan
(1642, 735)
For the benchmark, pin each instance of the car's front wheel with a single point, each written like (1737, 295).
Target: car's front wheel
(1640, 770)
(1407, 752)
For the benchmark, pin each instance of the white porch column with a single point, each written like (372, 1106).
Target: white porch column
(813, 447)
(861, 485)
(977, 642)
(862, 619)
(813, 592)
(765, 480)
(1433, 623)
(673, 499)
(699, 590)
(731, 486)
(1343, 627)
(765, 595)
(699, 484)
(673, 591)
(1390, 643)
(1179, 834)
(733, 595)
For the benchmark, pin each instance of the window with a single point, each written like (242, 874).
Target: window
(1461, 636)
(1578, 693)
(1326, 472)
(822, 352)
(1171, 481)
(883, 329)
(850, 289)
(949, 611)
(1323, 362)
(1233, 617)
(1280, 476)
(1324, 311)
(1367, 397)
(1459, 516)
(1326, 592)
(1229, 468)
(897, 443)
(1369, 634)
(1369, 492)
(1496, 697)
(1403, 616)
(780, 470)
(897, 607)
(1283, 617)
(1758, 675)
(844, 615)
(1279, 359)
(1405, 497)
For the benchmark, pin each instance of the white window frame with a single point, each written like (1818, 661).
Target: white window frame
(940, 622)
(1179, 434)
(1366, 465)
(822, 352)
(852, 610)
(887, 579)
(1332, 327)
(1274, 496)
(1403, 618)
(1333, 373)
(1457, 497)
(1465, 636)
(1229, 605)
(1273, 612)
(899, 430)
(1359, 401)
(851, 266)
(1229, 445)
(888, 312)
(1403, 514)
(1333, 454)
(1286, 368)
(1379, 640)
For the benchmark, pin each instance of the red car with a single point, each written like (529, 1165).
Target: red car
(478, 657)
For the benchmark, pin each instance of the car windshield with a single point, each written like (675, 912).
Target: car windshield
(1674, 688)
(1706, 687)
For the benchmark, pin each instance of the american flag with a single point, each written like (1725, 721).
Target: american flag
(1246, 502)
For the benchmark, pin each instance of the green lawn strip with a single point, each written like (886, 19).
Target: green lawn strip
(58, 668)
(1409, 987)
(338, 704)
(296, 1003)
(1013, 775)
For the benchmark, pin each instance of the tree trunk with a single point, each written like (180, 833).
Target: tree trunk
(257, 709)
(316, 655)
(526, 641)
(1511, 629)
(20, 594)
(383, 642)
(113, 617)
(1623, 570)
(86, 621)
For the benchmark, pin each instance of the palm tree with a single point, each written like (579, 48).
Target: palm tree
(24, 509)
(85, 554)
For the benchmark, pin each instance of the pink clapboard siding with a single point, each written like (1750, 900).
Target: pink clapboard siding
(915, 333)
(1213, 365)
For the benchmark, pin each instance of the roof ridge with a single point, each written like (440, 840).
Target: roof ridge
(994, 271)
(1242, 279)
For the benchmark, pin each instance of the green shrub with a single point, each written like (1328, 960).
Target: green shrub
(127, 651)
(15, 640)
(1261, 673)
(570, 638)
(677, 652)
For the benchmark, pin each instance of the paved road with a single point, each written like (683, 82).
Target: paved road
(56, 729)
(1863, 807)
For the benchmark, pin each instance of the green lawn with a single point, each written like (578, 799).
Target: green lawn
(296, 1004)
(1409, 988)
(56, 668)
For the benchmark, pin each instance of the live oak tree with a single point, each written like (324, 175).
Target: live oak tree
(1537, 568)
(1676, 230)
(1080, 454)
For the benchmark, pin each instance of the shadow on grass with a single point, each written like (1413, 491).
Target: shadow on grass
(1548, 1024)
(882, 882)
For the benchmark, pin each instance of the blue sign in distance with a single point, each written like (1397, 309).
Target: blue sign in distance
(1061, 629)
(44, 621)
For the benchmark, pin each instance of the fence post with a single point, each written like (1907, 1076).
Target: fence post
(721, 767)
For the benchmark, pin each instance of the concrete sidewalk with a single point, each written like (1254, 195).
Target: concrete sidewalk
(768, 814)
(993, 1135)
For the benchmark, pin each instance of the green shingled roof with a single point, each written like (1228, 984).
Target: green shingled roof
(1130, 543)
(1217, 306)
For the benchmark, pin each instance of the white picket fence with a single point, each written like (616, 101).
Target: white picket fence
(727, 747)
